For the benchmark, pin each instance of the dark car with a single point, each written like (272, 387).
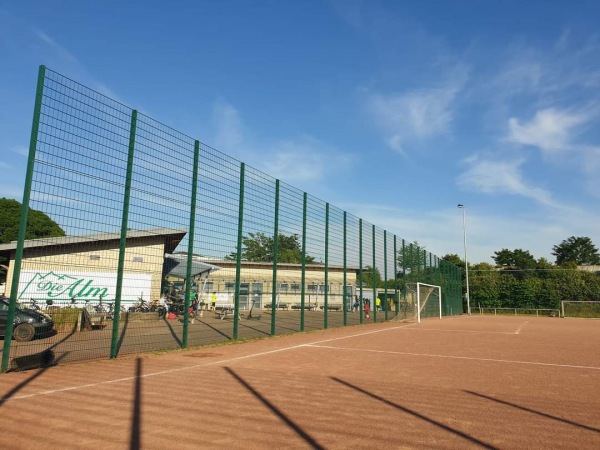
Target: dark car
(27, 323)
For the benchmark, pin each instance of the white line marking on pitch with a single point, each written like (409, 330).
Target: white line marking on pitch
(147, 375)
(195, 366)
(240, 358)
(462, 331)
(519, 329)
(534, 363)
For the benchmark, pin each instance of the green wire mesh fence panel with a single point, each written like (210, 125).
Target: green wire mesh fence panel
(165, 239)
(289, 272)
(214, 249)
(352, 268)
(335, 260)
(315, 259)
(79, 179)
(379, 306)
(258, 251)
(159, 204)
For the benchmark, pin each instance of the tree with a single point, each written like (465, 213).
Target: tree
(515, 259)
(367, 277)
(580, 250)
(258, 247)
(453, 258)
(411, 260)
(39, 225)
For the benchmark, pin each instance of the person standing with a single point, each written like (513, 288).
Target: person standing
(194, 307)
(377, 304)
(163, 307)
(367, 307)
(213, 301)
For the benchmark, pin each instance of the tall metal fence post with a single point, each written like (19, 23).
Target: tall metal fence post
(344, 292)
(418, 265)
(275, 260)
(431, 279)
(326, 301)
(114, 343)
(190, 252)
(303, 275)
(404, 276)
(374, 280)
(360, 271)
(16, 275)
(396, 296)
(385, 276)
(238, 261)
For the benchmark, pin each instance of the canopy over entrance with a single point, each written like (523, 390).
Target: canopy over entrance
(176, 267)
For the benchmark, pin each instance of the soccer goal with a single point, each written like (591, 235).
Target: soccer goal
(588, 309)
(425, 300)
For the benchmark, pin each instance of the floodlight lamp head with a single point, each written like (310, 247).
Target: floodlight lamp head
(460, 205)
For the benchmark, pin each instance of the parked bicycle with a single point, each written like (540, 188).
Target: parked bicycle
(110, 310)
(141, 306)
(101, 307)
(34, 305)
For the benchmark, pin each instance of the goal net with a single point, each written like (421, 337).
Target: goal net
(422, 300)
(588, 309)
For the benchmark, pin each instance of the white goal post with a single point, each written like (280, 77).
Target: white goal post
(580, 308)
(424, 293)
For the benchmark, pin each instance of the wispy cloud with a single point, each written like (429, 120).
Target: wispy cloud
(304, 159)
(296, 159)
(418, 114)
(21, 150)
(60, 51)
(228, 126)
(550, 130)
(501, 177)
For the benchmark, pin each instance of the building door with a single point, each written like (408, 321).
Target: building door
(244, 292)
(257, 290)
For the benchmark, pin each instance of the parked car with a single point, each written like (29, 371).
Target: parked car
(27, 323)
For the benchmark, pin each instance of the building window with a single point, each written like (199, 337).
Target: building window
(95, 257)
(137, 259)
(283, 287)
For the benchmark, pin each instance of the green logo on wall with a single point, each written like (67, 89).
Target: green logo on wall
(53, 285)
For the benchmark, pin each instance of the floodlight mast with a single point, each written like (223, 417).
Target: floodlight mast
(464, 209)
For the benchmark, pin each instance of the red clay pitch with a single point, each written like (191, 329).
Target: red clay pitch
(466, 382)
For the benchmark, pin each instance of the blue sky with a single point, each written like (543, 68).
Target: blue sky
(394, 111)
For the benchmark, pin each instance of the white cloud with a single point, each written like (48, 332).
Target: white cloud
(550, 130)
(228, 125)
(304, 159)
(60, 51)
(419, 114)
(292, 160)
(21, 150)
(501, 177)
(414, 115)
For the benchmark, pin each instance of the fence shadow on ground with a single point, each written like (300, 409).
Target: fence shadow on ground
(533, 411)
(47, 358)
(135, 441)
(416, 414)
(299, 431)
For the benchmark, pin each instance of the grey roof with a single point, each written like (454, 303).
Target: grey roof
(176, 266)
(71, 240)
